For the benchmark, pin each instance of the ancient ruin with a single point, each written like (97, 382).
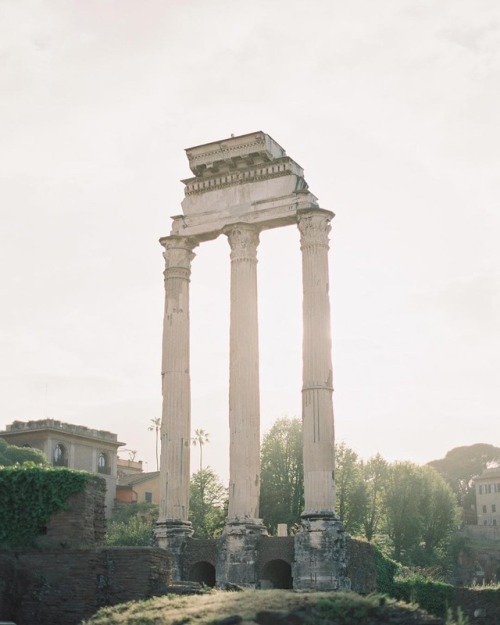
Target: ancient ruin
(241, 186)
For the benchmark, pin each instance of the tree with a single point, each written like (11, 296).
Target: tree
(282, 474)
(201, 438)
(375, 475)
(420, 513)
(156, 427)
(351, 489)
(462, 464)
(207, 503)
(12, 454)
(403, 493)
(439, 513)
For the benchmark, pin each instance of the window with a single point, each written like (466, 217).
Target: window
(493, 507)
(480, 489)
(148, 497)
(485, 522)
(484, 509)
(488, 488)
(494, 522)
(102, 463)
(60, 457)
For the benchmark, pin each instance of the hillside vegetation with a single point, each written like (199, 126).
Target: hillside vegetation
(265, 607)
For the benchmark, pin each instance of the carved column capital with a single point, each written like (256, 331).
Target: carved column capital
(178, 255)
(314, 226)
(243, 239)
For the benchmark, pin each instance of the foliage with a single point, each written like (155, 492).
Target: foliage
(207, 499)
(282, 474)
(351, 488)
(434, 597)
(132, 524)
(11, 455)
(385, 569)
(375, 476)
(420, 514)
(124, 512)
(31, 494)
(137, 532)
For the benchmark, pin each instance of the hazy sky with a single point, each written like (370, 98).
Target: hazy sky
(393, 109)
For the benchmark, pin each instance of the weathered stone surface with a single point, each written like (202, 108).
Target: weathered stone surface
(237, 555)
(320, 556)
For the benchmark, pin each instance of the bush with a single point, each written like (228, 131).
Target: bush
(137, 532)
(435, 597)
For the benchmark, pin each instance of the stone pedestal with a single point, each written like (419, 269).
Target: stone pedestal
(172, 536)
(237, 553)
(320, 555)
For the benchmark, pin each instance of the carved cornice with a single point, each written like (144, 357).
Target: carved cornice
(314, 228)
(243, 239)
(178, 255)
(248, 172)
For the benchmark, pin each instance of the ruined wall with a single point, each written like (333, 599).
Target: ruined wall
(82, 524)
(62, 587)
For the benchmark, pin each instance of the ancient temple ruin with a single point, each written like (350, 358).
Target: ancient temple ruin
(241, 186)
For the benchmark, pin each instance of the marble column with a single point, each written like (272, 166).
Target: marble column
(173, 525)
(244, 398)
(320, 547)
(317, 408)
(237, 552)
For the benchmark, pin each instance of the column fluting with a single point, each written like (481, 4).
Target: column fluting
(317, 407)
(176, 411)
(244, 400)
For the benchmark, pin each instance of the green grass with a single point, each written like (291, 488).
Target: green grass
(316, 608)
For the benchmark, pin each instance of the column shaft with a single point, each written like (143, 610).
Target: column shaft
(176, 412)
(317, 408)
(244, 402)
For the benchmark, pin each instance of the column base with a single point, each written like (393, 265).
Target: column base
(320, 554)
(172, 535)
(237, 553)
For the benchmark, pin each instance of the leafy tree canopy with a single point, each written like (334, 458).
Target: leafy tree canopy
(207, 503)
(462, 464)
(11, 455)
(282, 474)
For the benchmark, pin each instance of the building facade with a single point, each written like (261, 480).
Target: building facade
(487, 487)
(71, 446)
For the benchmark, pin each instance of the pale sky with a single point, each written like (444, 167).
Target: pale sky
(393, 110)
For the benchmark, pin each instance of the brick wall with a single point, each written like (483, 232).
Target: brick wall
(62, 587)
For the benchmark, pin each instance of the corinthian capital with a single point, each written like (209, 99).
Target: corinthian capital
(314, 226)
(178, 252)
(243, 239)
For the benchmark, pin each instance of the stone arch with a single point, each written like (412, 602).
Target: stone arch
(202, 572)
(278, 573)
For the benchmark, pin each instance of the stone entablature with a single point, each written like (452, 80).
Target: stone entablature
(248, 179)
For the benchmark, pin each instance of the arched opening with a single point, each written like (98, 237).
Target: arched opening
(278, 573)
(102, 464)
(203, 573)
(60, 456)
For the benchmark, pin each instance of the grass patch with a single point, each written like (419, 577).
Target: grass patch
(314, 608)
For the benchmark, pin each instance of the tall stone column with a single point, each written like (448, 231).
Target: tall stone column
(320, 546)
(173, 526)
(237, 552)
